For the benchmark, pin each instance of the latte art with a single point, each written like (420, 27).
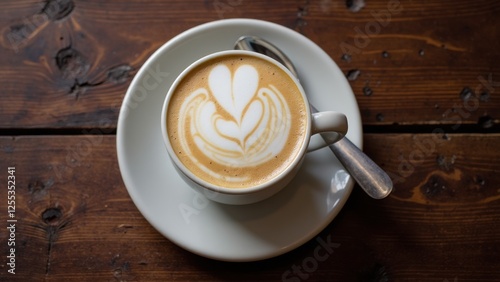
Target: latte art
(230, 121)
(233, 121)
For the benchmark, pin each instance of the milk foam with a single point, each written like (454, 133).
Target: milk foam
(235, 121)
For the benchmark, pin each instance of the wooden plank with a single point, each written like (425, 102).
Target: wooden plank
(77, 222)
(418, 63)
(80, 65)
(69, 65)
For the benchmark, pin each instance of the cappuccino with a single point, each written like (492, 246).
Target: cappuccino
(236, 121)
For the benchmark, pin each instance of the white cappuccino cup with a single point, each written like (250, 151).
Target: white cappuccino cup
(237, 125)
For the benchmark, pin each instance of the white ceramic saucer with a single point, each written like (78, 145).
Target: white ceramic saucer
(223, 232)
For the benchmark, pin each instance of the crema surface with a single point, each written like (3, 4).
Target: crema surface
(236, 121)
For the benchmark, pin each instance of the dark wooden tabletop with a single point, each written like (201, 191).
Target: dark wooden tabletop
(426, 75)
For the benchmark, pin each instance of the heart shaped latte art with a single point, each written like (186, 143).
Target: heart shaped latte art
(235, 121)
(234, 92)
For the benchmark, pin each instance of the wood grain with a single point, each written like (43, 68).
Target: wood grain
(77, 222)
(69, 65)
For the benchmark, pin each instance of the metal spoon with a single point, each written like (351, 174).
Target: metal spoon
(374, 181)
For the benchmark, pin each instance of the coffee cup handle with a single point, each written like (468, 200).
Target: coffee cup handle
(331, 125)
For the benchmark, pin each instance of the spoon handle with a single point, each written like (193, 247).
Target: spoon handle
(376, 183)
(372, 178)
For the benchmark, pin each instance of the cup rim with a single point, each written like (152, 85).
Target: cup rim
(234, 190)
